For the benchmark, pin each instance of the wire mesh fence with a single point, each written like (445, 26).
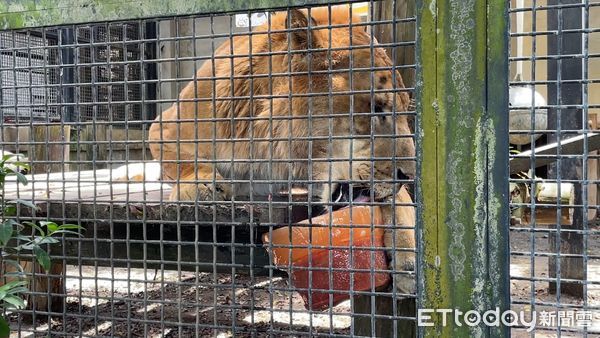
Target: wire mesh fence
(186, 147)
(554, 165)
(251, 173)
(25, 65)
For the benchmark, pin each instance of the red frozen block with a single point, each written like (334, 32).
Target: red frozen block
(361, 270)
(310, 247)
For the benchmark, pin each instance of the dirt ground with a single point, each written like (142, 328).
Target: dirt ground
(523, 267)
(184, 298)
(102, 301)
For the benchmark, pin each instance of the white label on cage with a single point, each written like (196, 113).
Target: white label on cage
(257, 19)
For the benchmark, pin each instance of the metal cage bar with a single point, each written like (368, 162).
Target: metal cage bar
(554, 179)
(144, 258)
(208, 257)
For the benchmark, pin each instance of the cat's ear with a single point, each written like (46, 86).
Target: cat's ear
(300, 36)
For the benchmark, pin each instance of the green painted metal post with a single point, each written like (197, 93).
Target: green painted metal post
(462, 88)
(15, 14)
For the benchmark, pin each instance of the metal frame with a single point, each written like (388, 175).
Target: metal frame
(558, 239)
(461, 135)
(15, 14)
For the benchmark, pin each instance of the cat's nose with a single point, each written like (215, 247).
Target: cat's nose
(401, 176)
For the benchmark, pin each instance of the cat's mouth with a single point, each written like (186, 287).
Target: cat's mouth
(344, 193)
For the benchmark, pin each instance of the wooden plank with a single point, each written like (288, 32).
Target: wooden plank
(187, 237)
(496, 164)
(592, 175)
(120, 134)
(42, 283)
(547, 154)
(50, 149)
(92, 140)
(404, 32)
(125, 223)
(83, 186)
(384, 306)
(170, 236)
(13, 136)
(546, 217)
(462, 88)
(17, 14)
(564, 96)
(90, 185)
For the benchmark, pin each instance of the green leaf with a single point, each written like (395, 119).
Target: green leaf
(15, 274)
(11, 262)
(35, 227)
(10, 210)
(8, 171)
(67, 232)
(20, 164)
(27, 246)
(7, 157)
(42, 257)
(4, 328)
(21, 178)
(66, 229)
(10, 285)
(23, 238)
(45, 240)
(15, 301)
(18, 290)
(6, 231)
(29, 223)
(25, 203)
(54, 229)
(70, 227)
(50, 227)
(15, 264)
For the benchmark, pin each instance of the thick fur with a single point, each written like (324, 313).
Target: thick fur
(281, 126)
(205, 136)
(401, 241)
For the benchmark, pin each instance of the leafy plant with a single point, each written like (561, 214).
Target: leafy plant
(16, 238)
